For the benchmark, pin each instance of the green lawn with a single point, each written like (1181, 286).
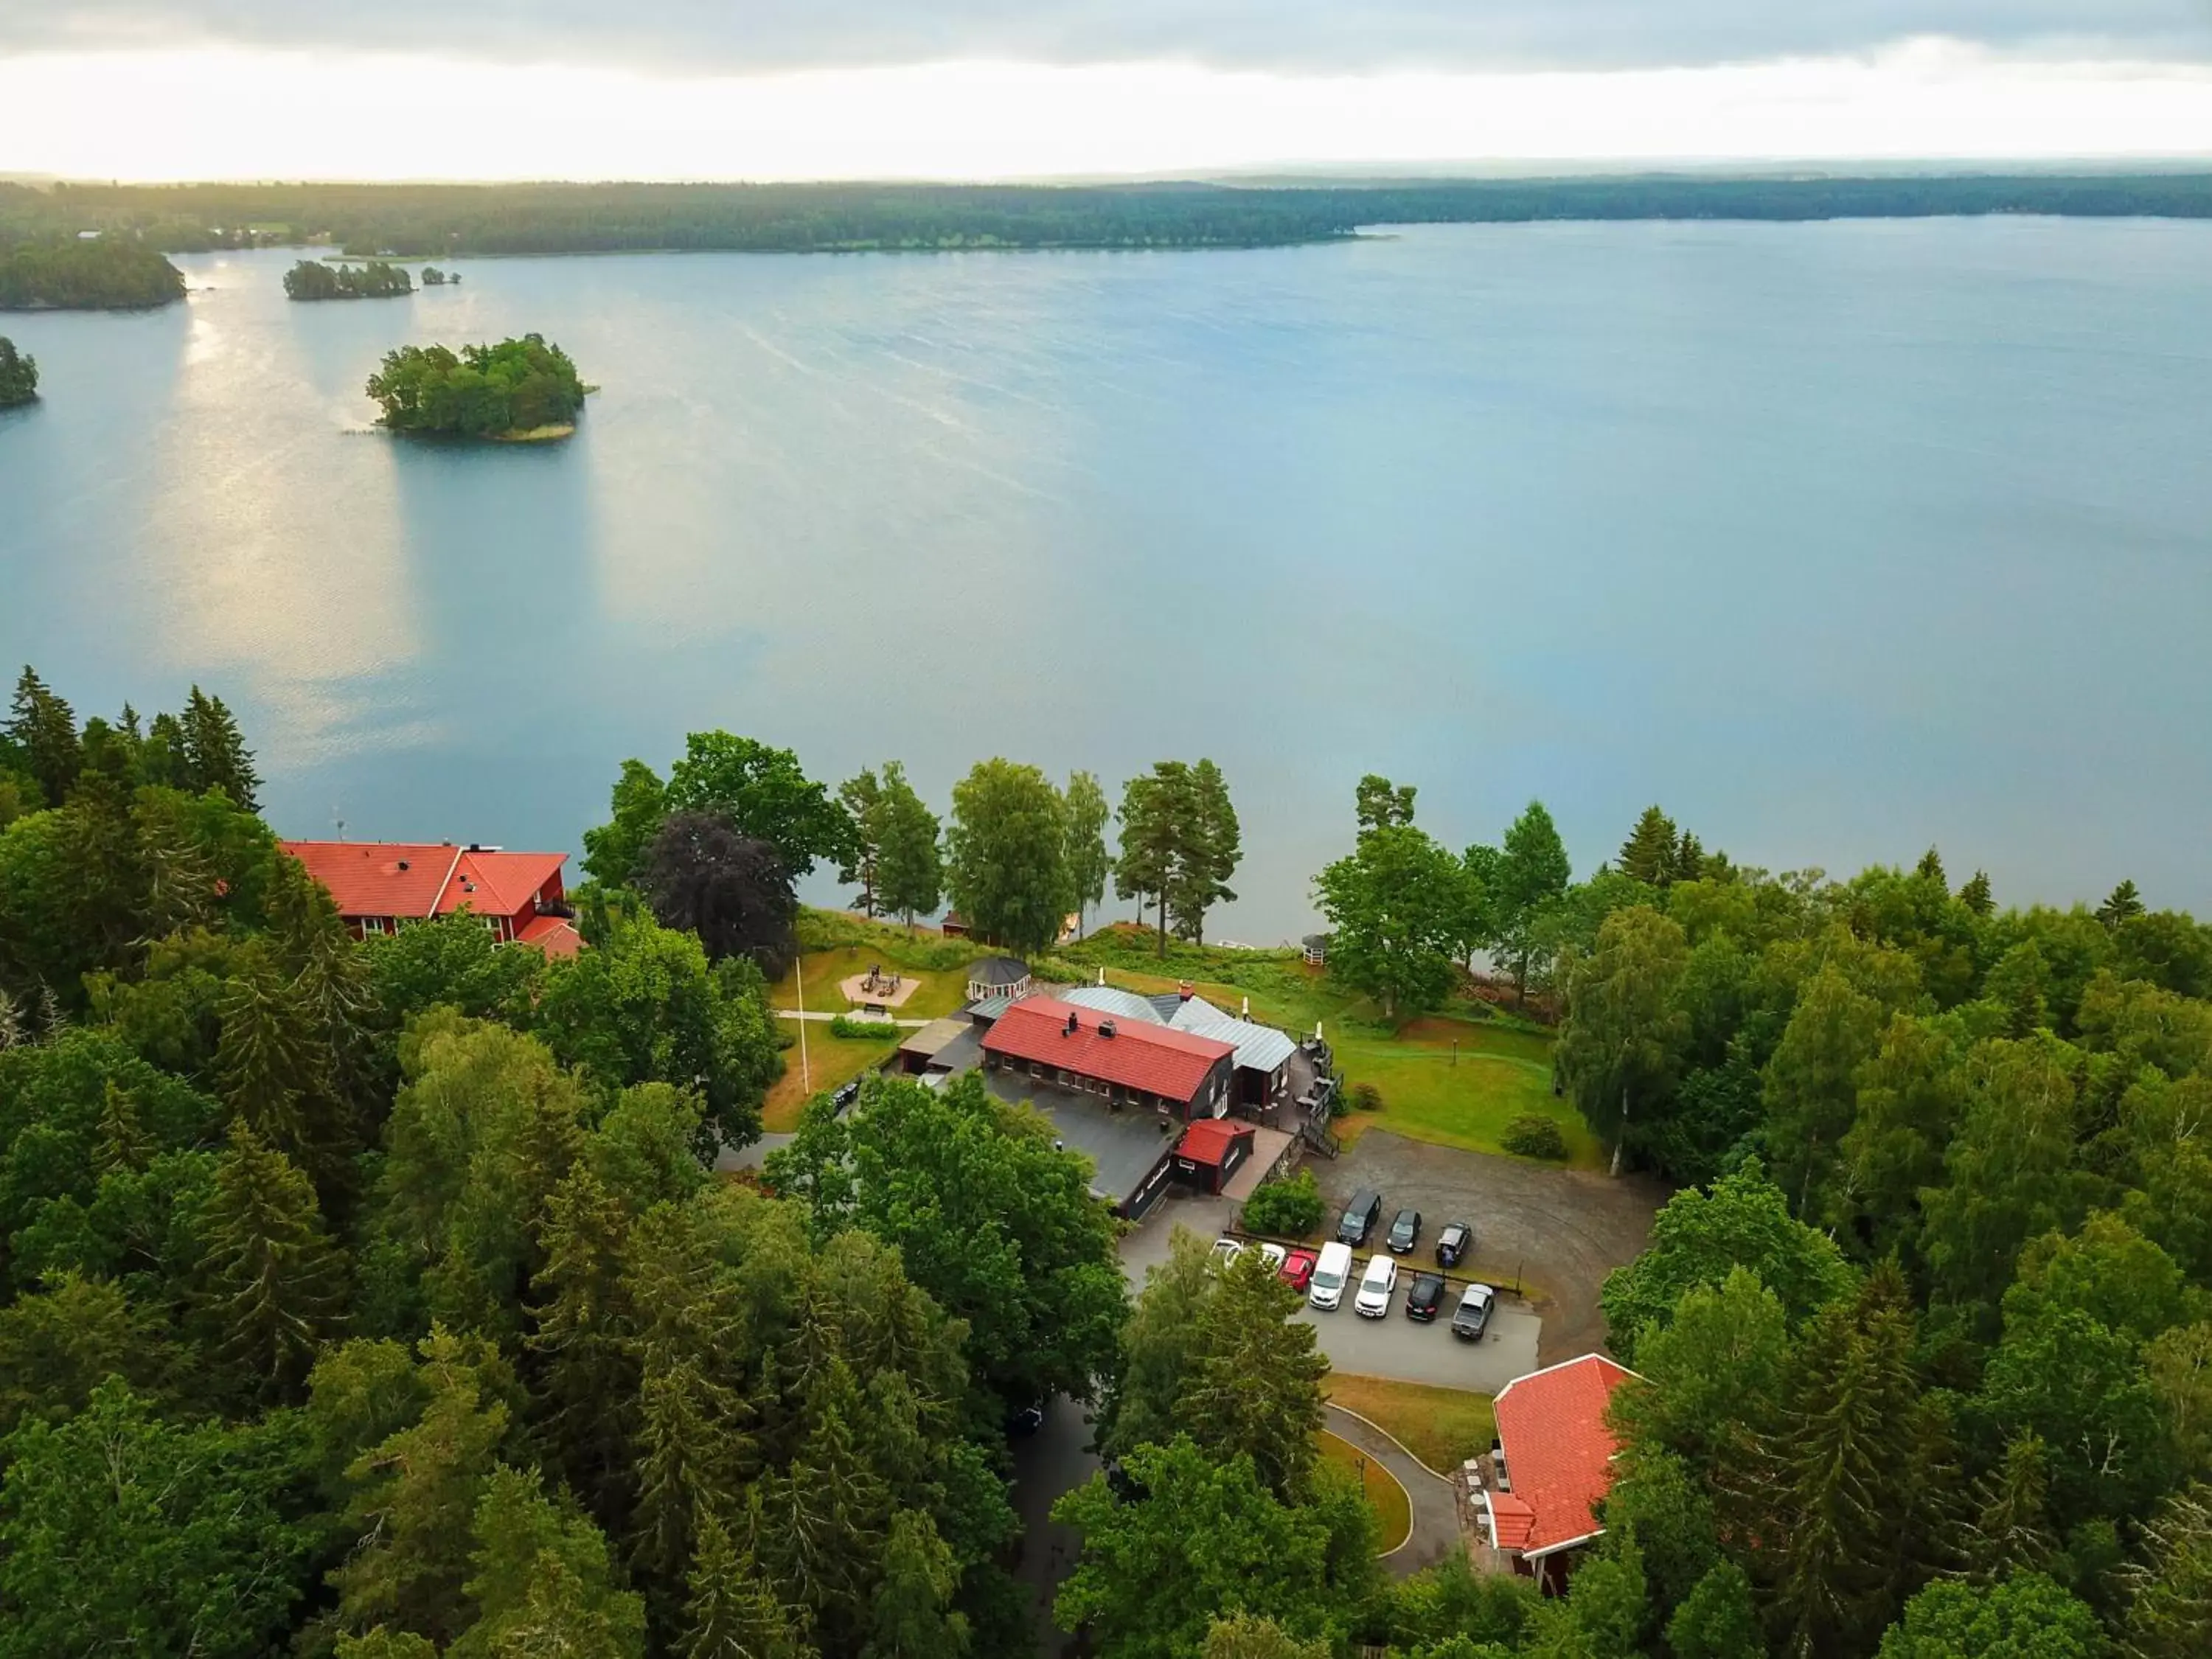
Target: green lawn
(1442, 1427)
(829, 1061)
(1393, 1510)
(1456, 1078)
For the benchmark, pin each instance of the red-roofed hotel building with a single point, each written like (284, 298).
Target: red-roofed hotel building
(1557, 1455)
(1151, 1067)
(379, 885)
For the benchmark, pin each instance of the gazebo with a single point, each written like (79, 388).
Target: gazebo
(998, 976)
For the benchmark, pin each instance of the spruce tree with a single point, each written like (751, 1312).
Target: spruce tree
(2010, 1530)
(2170, 1591)
(1930, 868)
(44, 728)
(267, 1062)
(1648, 854)
(121, 1145)
(216, 755)
(731, 1613)
(2124, 903)
(161, 758)
(1976, 895)
(688, 1458)
(277, 1282)
(586, 1374)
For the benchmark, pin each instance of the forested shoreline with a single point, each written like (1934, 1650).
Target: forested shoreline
(382, 1299)
(103, 273)
(438, 221)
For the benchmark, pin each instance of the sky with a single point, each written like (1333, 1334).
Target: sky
(158, 89)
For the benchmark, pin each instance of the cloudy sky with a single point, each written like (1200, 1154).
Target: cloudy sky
(695, 89)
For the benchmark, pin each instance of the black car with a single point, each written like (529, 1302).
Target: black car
(1359, 1219)
(845, 1095)
(1454, 1243)
(1425, 1298)
(1024, 1417)
(1472, 1317)
(1405, 1229)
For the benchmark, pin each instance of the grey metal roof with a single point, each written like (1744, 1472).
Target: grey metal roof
(1259, 1048)
(1166, 1004)
(998, 970)
(934, 1036)
(989, 1007)
(1115, 1003)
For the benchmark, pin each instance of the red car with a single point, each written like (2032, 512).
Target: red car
(1298, 1268)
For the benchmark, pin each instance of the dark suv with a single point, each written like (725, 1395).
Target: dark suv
(1360, 1218)
(1405, 1230)
(1453, 1243)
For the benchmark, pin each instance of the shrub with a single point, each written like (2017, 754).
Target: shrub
(1532, 1135)
(1366, 1098)
(1288, 1209)
(871, 1030)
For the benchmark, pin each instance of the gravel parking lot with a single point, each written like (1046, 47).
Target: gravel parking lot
(1557, 1231)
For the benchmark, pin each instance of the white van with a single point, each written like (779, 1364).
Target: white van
(1329, 1274)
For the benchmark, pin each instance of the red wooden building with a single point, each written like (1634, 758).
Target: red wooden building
(378, 885)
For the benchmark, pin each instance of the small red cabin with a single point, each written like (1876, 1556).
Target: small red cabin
(378, 885)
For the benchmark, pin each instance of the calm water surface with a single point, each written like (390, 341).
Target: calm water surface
(1837, 539)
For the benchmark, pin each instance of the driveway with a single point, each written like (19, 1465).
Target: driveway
(1056, 1459)
(1553, 1234)
(1436, 1511)
(1393, 1346)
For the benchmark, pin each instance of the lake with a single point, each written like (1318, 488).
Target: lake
(1837, 540)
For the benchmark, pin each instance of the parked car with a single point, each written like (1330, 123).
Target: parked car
(1226, 1250)
(1360, 1218)
(1273, 1254)
(845, 1096)
(1024, 1418)
(1425, 1297)
(1472, 1317)
(1376, 1286)
(1405, 1230)
(1454, 1243)
(1298, 1268)
(1331, 1268)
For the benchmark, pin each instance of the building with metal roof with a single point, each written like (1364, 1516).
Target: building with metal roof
(1110, 1000)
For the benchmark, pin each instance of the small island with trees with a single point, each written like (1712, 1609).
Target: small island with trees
(18, 375)
(522, 391)
(88, 273)
(311, 279)
(434, 277)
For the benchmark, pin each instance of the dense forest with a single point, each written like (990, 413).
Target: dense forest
(439, 220)
(381, 1298)
(311, 279)
(18, 375)
(104, 273)
(515, 388)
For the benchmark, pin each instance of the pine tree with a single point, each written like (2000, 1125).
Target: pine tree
(1148, 818)
(278, 1281)
(43, 726)
(121, 1145)
(731, 1613)
(1976, 895)
(2010, 1530)
(1930, 868)
(688, 1455)
(1209, 846)
(216, 755)
(162, 757)
(588, 1378)
(1689, 860)
(265, 1058)
(1648, 854)
(415, 1499)
(2170, 1592)
(2125, 904)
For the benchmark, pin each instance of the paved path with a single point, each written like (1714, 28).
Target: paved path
(752, 1157)
(1436, 1513)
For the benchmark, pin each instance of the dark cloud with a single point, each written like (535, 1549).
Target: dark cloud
(1306, 34)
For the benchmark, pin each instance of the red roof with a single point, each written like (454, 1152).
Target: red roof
(1208, 1140)
(1512, 1520)
(556, 936)
(1154, 1058)
(411, 878)
(1558, 1452)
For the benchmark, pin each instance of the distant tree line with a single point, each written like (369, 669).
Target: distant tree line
(18, 375)
(104, 273)
(479, 391)
(311, 279)
(441, 219)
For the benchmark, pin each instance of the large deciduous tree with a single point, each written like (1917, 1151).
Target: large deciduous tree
(1088, 864)
(1007, 867)
(910, 875)
(613, 851)
(1397, 906)
(1625, 1030)
(765, 793)
(702, 875)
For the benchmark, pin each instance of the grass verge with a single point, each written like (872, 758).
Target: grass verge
(830, 1061)
(1442, 1427)
(1393, 1510)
